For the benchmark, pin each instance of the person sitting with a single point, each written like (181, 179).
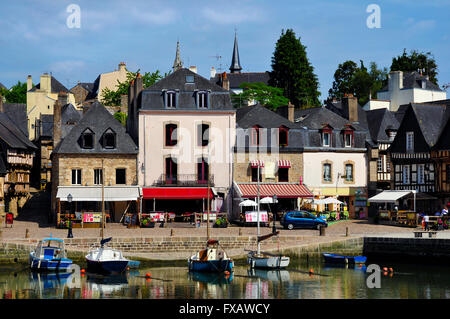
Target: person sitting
(440, 224)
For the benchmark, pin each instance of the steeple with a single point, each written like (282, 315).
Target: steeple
(235, 64)
(177, 64)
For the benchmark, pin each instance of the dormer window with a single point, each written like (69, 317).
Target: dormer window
(109, 139)
(171, 99)
(410, 142)
(348, 138)
(202, 100)
(87, 139)
(326, 138)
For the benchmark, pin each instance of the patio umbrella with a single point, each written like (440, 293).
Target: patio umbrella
(247, 203)
(267, 200)
(331, 200)
(318, 201)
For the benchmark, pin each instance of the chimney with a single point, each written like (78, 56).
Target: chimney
(395, 80)
(290, 111)
(225, 81)
(212, 73)
(122, 66)
(29, 83)
(350, 103)
(45, 84)
(193, 68)
(57, 122)
(124, 103)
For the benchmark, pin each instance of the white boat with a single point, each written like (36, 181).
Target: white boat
(106, 259)
(264, 260)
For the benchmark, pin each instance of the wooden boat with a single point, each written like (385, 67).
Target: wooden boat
(264, 260)
(106, 259)
(49, 255)
(340, 259)
(210, 259)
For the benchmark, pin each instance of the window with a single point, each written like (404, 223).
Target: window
(256, 132)
(283, 136)
(349, 172)
(348, 137)
(255, 174)
(98, 176)
(189, 79)
(76, 177)
(87, 139)
(406, 175)
(203, 134)
(380, 163)
(121, 177)
(109, 139)
(202, 171)
(421, 174)
(171, 171)
(325, 139)
(410, 142)
(283, 174)
(171, 99)
(202, 99)
(327, 172)
(171, 134)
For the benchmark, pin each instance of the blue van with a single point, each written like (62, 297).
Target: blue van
(302, 219)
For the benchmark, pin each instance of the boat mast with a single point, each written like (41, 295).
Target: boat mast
(103, 204)
(257, 218)
(207, 204)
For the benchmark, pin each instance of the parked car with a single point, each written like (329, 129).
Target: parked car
(302, 219)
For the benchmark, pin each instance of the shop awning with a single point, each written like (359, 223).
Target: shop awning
(282, 190)
(257, 163)
(284, 164)
(177, 192)
(94, 193)
(389, 196)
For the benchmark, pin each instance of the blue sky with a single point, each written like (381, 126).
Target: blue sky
(35, 38)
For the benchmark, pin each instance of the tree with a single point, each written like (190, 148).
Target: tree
(416, 61)
(121, 117)
(17, 93)
(111, 97)
(362, 83)
(292, 72)
(268, 96)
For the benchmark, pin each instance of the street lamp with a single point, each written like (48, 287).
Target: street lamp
(274, 229)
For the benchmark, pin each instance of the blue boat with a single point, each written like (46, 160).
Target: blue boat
(49, 255)
(340, 259)
(210, 259)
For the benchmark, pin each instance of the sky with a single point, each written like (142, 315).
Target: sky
(40, 36)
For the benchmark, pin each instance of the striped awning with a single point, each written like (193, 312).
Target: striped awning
(284, 163)
(282, 190)
(256, 163)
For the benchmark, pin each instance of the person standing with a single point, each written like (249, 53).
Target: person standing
(426, 219)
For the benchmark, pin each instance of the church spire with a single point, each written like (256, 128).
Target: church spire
(177, 64)
(235, 64)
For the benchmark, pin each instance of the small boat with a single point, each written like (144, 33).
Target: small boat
(106, 259)
(49, 255)
(265, 260)
(340, 259)
(210, 259)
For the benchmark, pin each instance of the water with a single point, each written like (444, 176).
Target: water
(407, 281)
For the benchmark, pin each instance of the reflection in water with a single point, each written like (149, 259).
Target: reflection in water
(328, 281)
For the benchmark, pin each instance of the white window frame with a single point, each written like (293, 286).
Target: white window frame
(380, 164)
(323, 139)
(77, 176)
(98, 176)
(350, 139)
(324, 171)
(410, 142)
(202, 100)
(171, 99)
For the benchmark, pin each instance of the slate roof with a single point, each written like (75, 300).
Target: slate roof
(85, 85)
(236, 79)
(17, 112)
(342, 110)
(12, 135)
(432, 119)
(98, 120)
(152, 97)
(70, 116)
(414, 80)
(379, 121)
(56, 86)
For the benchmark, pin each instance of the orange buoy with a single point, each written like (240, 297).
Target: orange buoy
(82, 275)
(148, 275)
(82, 271)
(385, 273)
(148, 279)
(311, 271)
(391, 270)
(385, 269)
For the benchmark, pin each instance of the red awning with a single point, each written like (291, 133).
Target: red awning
(284, 163)
(279, 189)
(257, 163)
(177, 193)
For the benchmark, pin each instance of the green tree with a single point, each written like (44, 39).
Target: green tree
(292, 72)
(111, 97)
(121, 117)
(415, 61)
(268, 96)
(343, 80)
(17, 93)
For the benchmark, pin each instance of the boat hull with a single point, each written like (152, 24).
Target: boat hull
(339, 259)
(59, 264)
(210, 265)
(268, 262)
(109, 267)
